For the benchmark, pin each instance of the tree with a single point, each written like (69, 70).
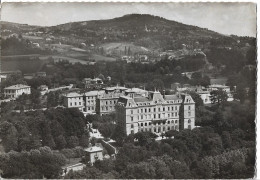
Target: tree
(73, 141)
(226, 139)
(107, 165)
(251, 56)
(142, 170)
(9, 136)
(83, 141)
(129, 51)
(158, 84)
(145, 138)
(218, 96)
(197, 99)
(60, 142)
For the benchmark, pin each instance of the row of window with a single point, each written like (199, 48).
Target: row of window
(17, 91)
(75, 103)
(106, 108)
(144, 104)
(90, 108)
(90, 97)
(76, 98)
(156, 116)
(159, 123)
(90, 102)
(109, 102)
(158, 130)
(145, 110)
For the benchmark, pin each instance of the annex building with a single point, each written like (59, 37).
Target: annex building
(16, 90)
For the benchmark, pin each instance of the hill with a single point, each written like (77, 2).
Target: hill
(144, 30)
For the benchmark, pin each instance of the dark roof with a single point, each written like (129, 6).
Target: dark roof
(141, 99)
(171, 97)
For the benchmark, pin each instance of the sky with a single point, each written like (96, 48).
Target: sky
(226, 18)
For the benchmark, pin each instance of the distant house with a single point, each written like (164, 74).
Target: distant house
(43, 88)
(176, 85)
(108, 78)
(16, 90)
(204, 95)
(125, 58)
(93, 83)
(143, 57)
(29, 76)
(41, 74)
(223, 88)
(48, 39)
(36, 45)
(3, 78)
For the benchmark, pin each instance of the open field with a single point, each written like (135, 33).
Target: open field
(121, 47)
(98, 57)
(32, 37)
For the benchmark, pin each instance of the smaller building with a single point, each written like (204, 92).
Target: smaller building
(205, 96)
(43, 88)
(16, 90)
(93, 83)
(93, 154)
(223, 88)
(3, 78)
(108, 78)
(74, 100)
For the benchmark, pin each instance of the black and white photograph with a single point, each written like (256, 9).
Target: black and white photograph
(133, 90)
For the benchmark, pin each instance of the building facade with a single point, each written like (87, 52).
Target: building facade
(74, 100)
(93, 154)
(107, 101)
(90, 99)
(16, 90)
(156, 113)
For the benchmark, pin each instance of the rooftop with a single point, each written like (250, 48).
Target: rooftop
(171, 97)
(218, 86)
(94, 93)
(17, 86)
(73, 94)
(141, 99)
(93, 149)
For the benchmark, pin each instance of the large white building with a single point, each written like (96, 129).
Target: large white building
(16, 90)
(156, 113)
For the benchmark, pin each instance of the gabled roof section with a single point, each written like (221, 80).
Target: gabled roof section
(187, 99)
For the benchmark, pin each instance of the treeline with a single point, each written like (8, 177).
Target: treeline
(34, 164)
(133, 74)
(56, 128)
(20, 46)
(233, 59)
(223, 147)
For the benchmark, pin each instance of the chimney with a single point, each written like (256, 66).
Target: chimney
(164, 93)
